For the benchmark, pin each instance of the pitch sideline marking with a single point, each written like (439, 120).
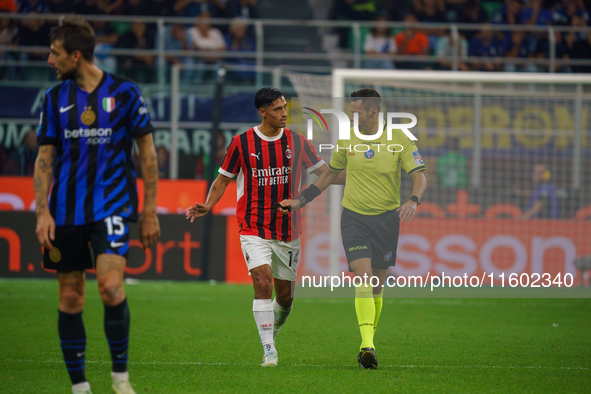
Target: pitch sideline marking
(408, 366)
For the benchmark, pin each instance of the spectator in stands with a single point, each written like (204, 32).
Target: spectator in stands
(157, 8)
(193, 8)
(536, 14)
(486, 45)
(379, 43)
(37, 6)
(106, 38)
(412, 41)
(176, 38)
(135, 7)
(543, 201)
(204, 37)
(397, 9)
(86, 7)
(138, 67)
(355, 10)
(245, 9)
(511, 13)
(8, 6)
(8, 36)
(543, 52)
(112, 7)
(472, 12)
(446, 49)
(60, 7)
(565, 12)
(352, 10)
(522, 46)
(579, 43)
(238, 40)
(452, 167)
(431, 11)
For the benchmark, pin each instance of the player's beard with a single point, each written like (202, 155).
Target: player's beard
(68, 74)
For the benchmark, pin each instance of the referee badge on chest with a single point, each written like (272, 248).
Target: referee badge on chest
(369, 153)
(88, 116)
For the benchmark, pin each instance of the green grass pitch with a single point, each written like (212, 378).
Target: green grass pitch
(195, 337)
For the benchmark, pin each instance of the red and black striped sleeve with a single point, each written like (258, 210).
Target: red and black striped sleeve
(231, 164)
(311, 160)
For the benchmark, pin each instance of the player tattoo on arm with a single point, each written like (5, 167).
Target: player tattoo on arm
(149, 163)
(42, 177)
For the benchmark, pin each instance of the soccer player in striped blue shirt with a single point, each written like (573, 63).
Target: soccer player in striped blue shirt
(88, 125)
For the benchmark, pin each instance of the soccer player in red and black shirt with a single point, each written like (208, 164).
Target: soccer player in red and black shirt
(269, 161)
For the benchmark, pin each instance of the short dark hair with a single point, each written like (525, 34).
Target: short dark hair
(266, 96)
(76, 34)
(369, 98)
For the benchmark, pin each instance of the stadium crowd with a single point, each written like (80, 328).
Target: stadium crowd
(490, 45)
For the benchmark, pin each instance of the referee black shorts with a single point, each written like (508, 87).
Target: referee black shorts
(369, 236)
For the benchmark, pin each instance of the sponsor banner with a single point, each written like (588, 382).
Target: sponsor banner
(470, 247)
(16, 194)
(176, 256)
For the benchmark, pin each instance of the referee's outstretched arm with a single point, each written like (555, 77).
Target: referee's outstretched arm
(326, 176)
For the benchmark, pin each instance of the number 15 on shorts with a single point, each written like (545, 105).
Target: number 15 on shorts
(117, 234)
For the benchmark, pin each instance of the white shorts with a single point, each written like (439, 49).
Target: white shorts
(281, 256)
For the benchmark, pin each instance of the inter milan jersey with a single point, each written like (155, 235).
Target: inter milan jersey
(93, 136)
(269, 170)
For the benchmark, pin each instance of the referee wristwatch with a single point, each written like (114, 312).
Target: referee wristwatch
(415, 199)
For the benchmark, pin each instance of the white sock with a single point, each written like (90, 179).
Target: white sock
(281, 315)
(81, 386)
(263, 316)
(117, 376)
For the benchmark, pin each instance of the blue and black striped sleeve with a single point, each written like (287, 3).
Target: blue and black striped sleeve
(47, 132)
(137, 113)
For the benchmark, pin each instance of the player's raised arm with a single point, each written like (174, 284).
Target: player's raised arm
(218, 187)
(229, 168)
(149, 225)
(42, 180)
(326, 177)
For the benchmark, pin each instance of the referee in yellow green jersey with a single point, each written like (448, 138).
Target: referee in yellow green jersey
(372, 206)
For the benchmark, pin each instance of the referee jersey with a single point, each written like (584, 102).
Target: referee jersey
(373, 170)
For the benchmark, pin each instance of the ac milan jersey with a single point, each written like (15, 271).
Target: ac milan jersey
(269, 170)
(93, 136)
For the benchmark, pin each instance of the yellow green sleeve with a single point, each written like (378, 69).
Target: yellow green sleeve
(412, 161)
(338, 162)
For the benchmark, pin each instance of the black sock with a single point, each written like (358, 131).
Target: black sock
(117, 330)
(73, 342)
